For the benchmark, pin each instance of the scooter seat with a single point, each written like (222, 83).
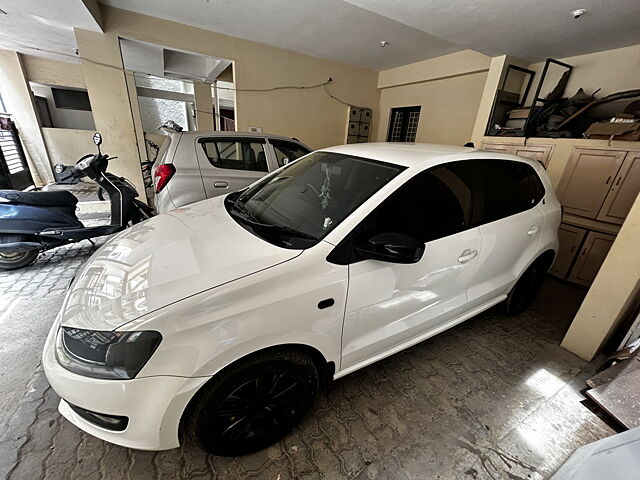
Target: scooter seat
(39, 199)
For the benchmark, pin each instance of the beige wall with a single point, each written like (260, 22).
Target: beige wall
(110, 102)
(454, 64)
(448, 89)
(53, 72)
(448, 108)
(67, 145)
(309, 115)
(611, 70)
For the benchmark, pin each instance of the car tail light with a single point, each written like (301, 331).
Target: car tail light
(162, 175)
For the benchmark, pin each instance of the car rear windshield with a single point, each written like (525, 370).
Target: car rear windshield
(297, 206)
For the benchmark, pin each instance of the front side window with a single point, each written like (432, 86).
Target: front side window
(299, 205)
(506, 188)
(433, 204)
(235, 153)
(287, 151)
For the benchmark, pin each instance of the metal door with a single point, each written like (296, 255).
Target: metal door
(14, 171)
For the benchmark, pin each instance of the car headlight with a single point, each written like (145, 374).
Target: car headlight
(105, 354)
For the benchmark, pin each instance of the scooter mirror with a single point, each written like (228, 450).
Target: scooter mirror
(97, 139)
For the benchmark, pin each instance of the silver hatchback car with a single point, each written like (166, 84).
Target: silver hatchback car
(193, 166)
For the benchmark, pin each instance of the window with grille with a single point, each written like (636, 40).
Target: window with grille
(403, 124)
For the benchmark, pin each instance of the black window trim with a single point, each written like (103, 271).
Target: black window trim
(344, 254)
(231, 139)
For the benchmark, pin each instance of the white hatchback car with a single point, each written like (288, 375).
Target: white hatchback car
(194, 166)
(225, 317)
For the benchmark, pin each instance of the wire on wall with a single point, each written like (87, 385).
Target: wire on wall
(270, 89)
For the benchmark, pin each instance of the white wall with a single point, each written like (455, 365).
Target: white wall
(64, 117)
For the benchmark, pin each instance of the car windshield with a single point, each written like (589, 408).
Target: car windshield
(298, 205)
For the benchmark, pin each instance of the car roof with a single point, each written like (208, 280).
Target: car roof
(235, 134)
(405, 154)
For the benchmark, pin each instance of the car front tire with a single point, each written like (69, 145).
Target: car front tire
(253, 403)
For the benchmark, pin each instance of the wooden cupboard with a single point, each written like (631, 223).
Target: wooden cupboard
(587, 180)
(570, 242)
(591, 257)
(623, 192)
(541, 153)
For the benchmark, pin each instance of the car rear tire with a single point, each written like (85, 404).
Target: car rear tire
(526, 289)
(254, 403)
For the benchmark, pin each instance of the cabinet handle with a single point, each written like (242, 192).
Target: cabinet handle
(618, 181)
(584, 252)
(608, 180)
(573, 249)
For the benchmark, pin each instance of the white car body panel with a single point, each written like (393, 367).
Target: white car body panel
(390, 303)
(163, 260)
(217, 293)
(196, 179)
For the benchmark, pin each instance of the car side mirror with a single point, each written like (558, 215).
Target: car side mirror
(391, 247)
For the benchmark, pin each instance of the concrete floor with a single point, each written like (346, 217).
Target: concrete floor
(493, 398)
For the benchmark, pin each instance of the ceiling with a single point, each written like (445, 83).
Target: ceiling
(350, 31)
(533, 30)
(164, 62)
(34, 23)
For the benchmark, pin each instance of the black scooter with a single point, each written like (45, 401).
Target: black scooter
(32, 222)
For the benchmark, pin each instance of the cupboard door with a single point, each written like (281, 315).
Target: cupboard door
(570, 240)
(623, 192)
(594, 251)
(587, 179)
(498, 147)
(541, 153)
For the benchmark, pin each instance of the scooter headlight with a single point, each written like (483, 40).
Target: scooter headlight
(105, 354)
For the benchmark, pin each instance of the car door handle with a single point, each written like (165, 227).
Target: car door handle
(467, 255)
(533, 230)
(220, 184)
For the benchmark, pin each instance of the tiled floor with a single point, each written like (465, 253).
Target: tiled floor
(493, 398)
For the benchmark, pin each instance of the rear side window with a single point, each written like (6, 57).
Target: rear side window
(287, 151)
(505, 188)
(235, 153)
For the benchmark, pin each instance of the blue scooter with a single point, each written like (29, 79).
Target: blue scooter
(32, 222)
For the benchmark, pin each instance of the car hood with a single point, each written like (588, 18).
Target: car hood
(163, 260)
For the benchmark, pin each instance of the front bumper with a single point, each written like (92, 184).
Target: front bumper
(153, 405)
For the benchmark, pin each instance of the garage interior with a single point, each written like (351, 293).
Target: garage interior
(534, 396)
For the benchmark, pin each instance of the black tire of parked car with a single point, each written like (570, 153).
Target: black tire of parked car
(253, 403)
(526, 289)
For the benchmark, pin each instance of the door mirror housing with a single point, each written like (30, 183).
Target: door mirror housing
(391, 247)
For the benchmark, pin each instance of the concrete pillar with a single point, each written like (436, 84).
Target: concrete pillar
(110, 103)
(203, 105)
(216, 104)
(611, 294)
(18, 99)
(495, 77)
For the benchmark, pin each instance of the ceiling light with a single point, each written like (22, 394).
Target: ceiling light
(578, 13)
(383, 43)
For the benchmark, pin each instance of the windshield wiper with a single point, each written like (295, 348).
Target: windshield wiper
(241, 211)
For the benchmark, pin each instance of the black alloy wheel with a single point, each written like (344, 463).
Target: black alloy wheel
(253, 404)
(526, 289)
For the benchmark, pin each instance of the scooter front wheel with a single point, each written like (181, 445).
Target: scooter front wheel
(12, 261)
